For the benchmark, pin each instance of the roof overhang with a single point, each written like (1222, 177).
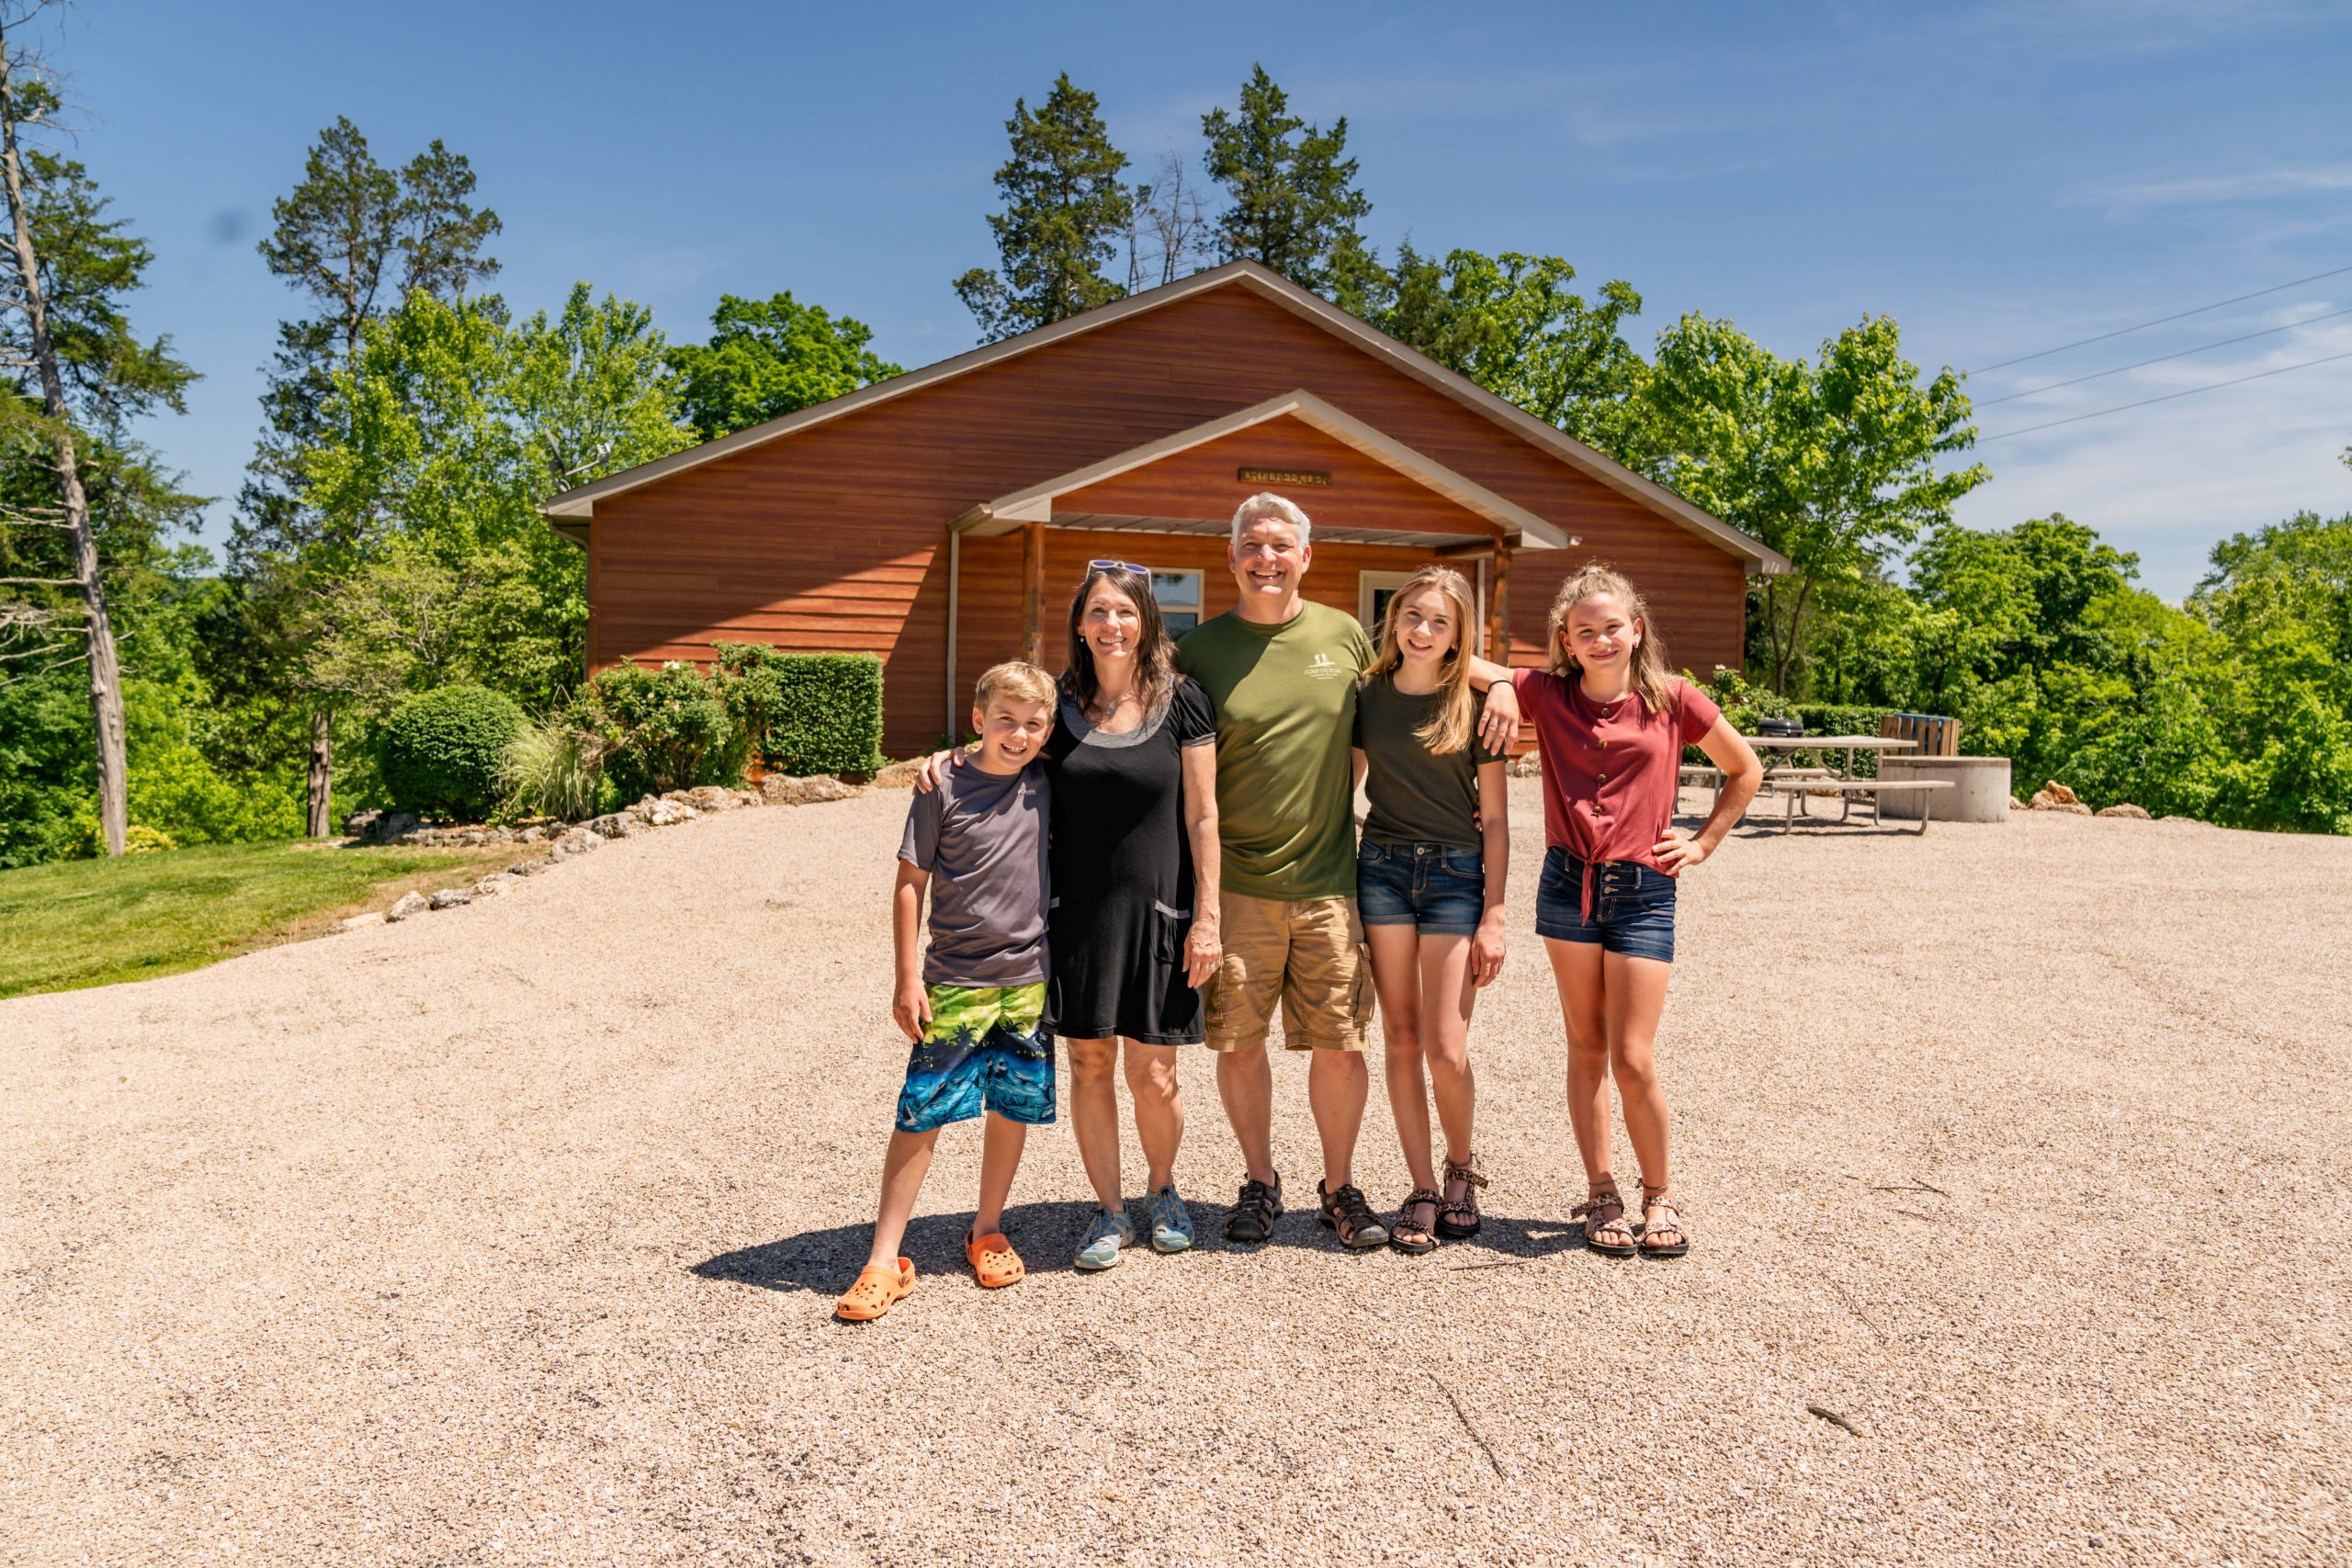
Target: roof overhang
(1038, 502)
(579, 503)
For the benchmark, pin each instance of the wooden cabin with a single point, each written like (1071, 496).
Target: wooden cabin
(941, 519)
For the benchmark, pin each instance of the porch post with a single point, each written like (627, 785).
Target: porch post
(1498, 607)
(1033, 592)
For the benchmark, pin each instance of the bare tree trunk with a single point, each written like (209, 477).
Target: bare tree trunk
(321, 791)
(97, 625)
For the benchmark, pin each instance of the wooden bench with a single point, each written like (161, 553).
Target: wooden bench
(1794, 790)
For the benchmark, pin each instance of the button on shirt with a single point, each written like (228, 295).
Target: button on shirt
(1609, 769)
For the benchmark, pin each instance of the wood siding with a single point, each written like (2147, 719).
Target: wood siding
(834, 538)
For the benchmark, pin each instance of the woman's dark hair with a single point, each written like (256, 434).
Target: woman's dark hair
(1155, 655)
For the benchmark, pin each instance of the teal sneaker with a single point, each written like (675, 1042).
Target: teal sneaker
(1171, 1223)
(1105, 1234)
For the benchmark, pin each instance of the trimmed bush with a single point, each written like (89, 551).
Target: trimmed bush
(664, 729)
(438, 753)
(805, 713)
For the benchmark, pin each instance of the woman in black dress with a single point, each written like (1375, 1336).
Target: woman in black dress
(1132, 929)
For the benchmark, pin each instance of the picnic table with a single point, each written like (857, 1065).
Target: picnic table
(1795, 785)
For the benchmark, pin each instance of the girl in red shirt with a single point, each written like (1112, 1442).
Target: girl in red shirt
(1610, 725)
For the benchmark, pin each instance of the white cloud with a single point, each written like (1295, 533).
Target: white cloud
(2251, 184)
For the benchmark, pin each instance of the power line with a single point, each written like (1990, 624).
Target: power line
(2143, 402)
(2160, 358)
(2160, 321)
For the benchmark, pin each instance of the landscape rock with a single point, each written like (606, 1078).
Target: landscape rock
(617, 825)
(2017, 805)
(411, 904)
(472, 836)
(2126, 810)
(496, 883)
(1529, 766)
(578, 841)
(529, 867)
(450, 899)
(781, 790)
(537, 832)
(372, 918)
(899, 775)
(712, 797)
(665, 812)
(381, 826)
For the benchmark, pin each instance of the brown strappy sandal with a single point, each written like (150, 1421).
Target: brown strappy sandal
(1408, 1236)
(1602, 1212)
(1655, 1201)
(1458, 1217)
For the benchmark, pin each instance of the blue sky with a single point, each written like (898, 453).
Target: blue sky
(2000, 177)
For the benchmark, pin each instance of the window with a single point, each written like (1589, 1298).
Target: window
(1179, 593)
(1373, 590)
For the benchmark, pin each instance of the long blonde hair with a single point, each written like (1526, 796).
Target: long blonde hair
(1448, 730)
(1651, 677)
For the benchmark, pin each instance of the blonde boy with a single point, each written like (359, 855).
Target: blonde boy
(974, 1002)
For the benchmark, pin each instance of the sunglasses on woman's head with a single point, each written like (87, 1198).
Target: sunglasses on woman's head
(1143, 571)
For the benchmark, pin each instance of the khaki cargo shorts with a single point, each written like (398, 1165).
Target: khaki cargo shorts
(1310, 954)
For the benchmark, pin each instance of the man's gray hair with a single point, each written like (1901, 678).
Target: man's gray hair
(1266, 504)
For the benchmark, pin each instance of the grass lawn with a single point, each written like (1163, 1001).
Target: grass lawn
(93, 922)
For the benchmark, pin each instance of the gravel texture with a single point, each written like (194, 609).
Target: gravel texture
(510, 1234)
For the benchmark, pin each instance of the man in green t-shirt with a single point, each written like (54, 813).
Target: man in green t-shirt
(1283, 673)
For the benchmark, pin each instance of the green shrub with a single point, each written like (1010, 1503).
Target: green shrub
(805, 713)
(439, 753)
(664, 729)
(552, 769)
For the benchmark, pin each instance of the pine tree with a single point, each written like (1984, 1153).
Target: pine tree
(1066, 215)
(1295, 206)
(358, 238)
(79, 376)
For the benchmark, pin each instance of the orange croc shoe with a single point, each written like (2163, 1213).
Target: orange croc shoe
(878, 1290)
(994, 1260)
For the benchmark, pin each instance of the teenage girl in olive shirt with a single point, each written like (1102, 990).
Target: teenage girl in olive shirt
(1430, 885)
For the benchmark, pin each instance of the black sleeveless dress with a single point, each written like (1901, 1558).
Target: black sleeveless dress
(1123, 875)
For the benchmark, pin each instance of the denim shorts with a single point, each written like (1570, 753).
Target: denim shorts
(1435, 886)
(1633, 906)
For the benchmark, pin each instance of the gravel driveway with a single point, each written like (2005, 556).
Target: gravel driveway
(512, 1234)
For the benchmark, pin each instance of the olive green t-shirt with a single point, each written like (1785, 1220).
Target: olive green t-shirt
(1417, 797)
(1285, 700)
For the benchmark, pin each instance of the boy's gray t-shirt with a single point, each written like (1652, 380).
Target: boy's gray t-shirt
(982, 838)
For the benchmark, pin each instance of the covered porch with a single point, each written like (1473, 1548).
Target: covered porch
(1380, 509)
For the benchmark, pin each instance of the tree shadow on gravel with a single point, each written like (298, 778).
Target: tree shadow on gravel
(1045, 1235)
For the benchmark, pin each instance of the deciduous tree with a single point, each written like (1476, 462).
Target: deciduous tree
(1066, 213)
(768, 357)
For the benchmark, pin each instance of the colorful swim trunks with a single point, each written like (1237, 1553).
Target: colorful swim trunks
(987, 1048)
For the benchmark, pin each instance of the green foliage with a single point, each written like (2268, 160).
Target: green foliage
(1512, 324)
(552, 769)
(1292, 202)
(439, 753)
(664, 729)
(805, 713)
(1066, 212)
(767, 359)
(1834, 463)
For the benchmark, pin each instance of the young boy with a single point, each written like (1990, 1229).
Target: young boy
(974, 1003)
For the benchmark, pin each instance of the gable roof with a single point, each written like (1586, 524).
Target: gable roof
(579, 503)
(1034, 503)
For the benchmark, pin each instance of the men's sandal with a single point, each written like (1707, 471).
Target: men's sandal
(1346, 1212)
(1099, 1248)
(1411, 1234)
(1659, 1216)
(994, 1260)
(1605, 1230)
(1255, 1212)
(878, 1288)
(1458, 1217)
